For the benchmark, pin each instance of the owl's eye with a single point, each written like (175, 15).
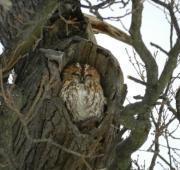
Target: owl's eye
(76, 74)
(88, 75)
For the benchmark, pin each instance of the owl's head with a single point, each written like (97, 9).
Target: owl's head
(81, 74)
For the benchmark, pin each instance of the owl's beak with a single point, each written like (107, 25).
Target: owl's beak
(82, 79)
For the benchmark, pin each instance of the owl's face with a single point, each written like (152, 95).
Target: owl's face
(82, 74)
(82, 91)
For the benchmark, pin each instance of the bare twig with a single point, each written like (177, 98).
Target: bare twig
(94, 9)
(160, 48)
(137, 80)
(169, 7)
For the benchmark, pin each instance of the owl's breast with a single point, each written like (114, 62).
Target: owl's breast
(83, 101)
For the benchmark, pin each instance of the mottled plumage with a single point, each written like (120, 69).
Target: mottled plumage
(82, 91)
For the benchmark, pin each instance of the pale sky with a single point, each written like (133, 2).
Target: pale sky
(155, 28)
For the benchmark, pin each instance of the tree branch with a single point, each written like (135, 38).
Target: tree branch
(178, 102)
(14, 16)
(137, 80)
(160, 48)
(29, 39)
(169, 67)
(105, 28)
(138, 44)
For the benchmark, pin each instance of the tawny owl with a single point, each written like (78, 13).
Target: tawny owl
(82, 91)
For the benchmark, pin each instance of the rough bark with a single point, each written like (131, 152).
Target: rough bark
(178, 103)
(36, 131)
(47, 118)
(38, 128)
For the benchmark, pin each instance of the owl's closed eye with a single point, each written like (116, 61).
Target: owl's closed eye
(82, 91)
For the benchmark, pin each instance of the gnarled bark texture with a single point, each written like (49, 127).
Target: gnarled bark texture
(37, 132)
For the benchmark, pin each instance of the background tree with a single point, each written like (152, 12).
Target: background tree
(39, 39)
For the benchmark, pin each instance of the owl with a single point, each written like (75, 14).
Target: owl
(82, 91)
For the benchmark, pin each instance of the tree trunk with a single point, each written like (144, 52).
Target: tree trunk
(37, 132)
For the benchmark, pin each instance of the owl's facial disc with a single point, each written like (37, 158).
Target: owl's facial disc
(82, 74)
(76, 76)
